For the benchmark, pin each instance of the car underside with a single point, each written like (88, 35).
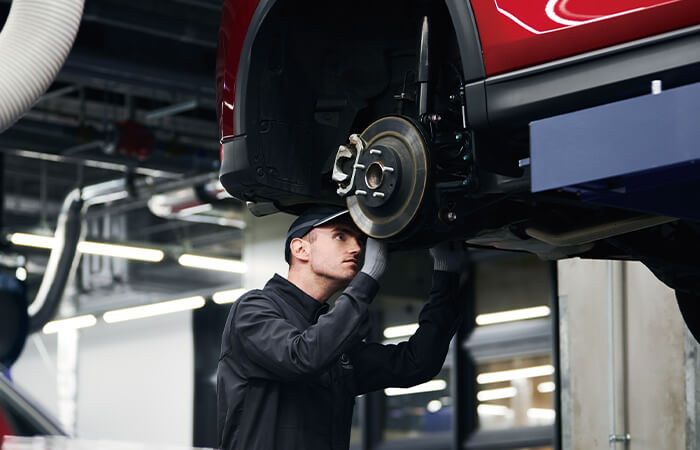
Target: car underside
(388, 107)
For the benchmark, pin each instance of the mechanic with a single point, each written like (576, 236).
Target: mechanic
(290, 369)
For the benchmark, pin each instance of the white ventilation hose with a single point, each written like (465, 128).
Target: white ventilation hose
(34, 43)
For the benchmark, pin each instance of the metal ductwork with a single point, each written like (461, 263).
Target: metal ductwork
(34, 44)
(204, 203)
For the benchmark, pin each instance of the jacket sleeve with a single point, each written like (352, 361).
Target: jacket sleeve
(283, 351)
(420, 358)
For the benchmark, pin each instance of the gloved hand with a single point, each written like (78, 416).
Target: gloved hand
(448, 256)
(375, 258)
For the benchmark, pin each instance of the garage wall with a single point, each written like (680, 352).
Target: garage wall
(263, 248)
(135, 380)
(36, 374)
(651, 400)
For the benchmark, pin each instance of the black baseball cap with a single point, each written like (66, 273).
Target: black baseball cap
(310, 219)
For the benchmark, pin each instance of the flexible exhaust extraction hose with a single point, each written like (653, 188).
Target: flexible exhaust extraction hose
(64, 258)
(34, 43)
(62, 263)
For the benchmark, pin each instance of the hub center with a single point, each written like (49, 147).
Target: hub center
(374, 176)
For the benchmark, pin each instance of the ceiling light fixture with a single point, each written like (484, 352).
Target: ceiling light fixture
(515, 374)
(547, 386)
(496, 394)
(92, 248)
(434, 406)
(209, 263)
(72, 323)
(493, 410)
(121, 251)
(512, 316)
(430, 386)
(154, 309)
(400, 330)
(21, 274)
(541, 413)
(32, 240)
(227, 296)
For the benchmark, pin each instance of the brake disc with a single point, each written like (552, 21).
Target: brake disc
(389, 177)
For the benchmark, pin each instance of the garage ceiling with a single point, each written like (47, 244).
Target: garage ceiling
(135, 98)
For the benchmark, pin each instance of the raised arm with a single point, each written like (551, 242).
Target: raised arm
(421, 357)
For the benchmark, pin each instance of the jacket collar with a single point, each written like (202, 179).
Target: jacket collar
(307, 306)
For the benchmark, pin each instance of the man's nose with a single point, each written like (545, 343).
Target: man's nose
(356, 247)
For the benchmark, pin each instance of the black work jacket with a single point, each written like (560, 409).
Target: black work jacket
(289, 372)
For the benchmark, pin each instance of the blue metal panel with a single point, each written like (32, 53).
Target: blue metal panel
(641, 154)
(622, 138)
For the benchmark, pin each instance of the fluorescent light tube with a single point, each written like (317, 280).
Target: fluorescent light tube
(32, 240)
(400, 330)
(493, 410)
(540, 413)
(72, 323)
(205, 262)
(121, 251)
(154, 309)
(496, 394)
(430, 386)
(228, 296)
(547, 386)
(93, 248)
(515, 374)
(512, 316)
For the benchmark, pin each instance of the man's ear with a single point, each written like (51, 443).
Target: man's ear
(300, 249)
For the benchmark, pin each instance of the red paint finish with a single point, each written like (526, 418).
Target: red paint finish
(521, 33)
(235, 20)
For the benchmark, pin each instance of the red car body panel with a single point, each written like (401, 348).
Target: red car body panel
(516, 34)
(235, 20)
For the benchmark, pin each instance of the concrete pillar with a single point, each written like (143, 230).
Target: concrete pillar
(650, 359)
(263, 248)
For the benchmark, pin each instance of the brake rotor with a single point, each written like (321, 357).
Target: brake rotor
(391, 179)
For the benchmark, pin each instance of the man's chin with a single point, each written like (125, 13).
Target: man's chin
(348, 276)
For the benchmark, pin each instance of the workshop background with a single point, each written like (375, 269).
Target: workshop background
(551, 355)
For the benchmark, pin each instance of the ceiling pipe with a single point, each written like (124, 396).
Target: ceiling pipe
(58, 93)
(103, 164)
(171, 110)
(34, 44)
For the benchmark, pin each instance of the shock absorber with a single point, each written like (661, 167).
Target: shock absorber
(423, 72)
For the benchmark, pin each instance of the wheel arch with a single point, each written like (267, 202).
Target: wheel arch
(286, 115)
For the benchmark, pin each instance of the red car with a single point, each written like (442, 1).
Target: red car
(421, 117)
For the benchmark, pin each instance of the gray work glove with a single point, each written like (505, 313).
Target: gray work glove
(448, 256)
(375, 258)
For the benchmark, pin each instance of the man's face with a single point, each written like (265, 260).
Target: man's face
(335, 250)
